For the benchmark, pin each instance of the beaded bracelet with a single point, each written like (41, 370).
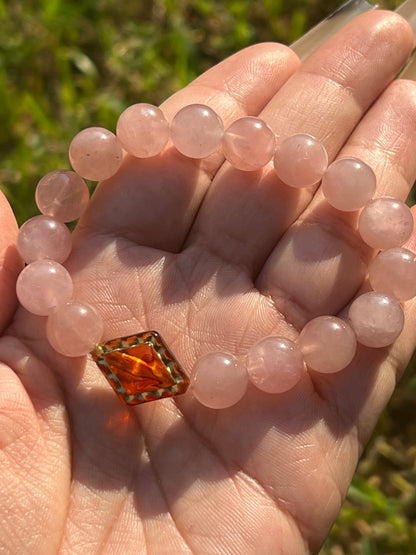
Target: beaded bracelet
(140, 367)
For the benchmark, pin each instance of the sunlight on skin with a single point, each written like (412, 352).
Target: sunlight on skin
(213, 260)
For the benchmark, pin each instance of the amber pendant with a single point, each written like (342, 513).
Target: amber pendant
(140, 368)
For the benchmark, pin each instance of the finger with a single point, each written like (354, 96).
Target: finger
(33, 442)
(359, 397)
(154, 201)
(321, 261)
(10, 262)
(244, 214)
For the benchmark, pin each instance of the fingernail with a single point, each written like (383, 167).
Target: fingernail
(330, 25)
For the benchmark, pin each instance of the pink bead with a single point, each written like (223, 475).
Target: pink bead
(328, 344)
(43, 285)
(377, 319)
(44, 237)
(63, 195)
(393, 272)
(95, 153)
(348, 184)
(300, 161)
(385, 223)
(196, 131)
(274, 364)
(73, 329)
(219, 380)
(248, 144)
(143, 130)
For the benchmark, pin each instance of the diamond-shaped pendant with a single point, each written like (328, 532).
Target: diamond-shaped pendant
(140, 368)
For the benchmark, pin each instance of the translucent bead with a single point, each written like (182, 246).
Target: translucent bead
(348, 184)
(385, 223)
(196, 131)
(63, 195)
(219, 380)
(43, 285)
(328, 344)
(274, 364)
(73, 329)
(393, 272)
(44, 237)
(300, 161)
(377, 319)
(95, 153)
(248, 144)
(143, 130)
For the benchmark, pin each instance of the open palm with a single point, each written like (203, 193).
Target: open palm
(214, 259)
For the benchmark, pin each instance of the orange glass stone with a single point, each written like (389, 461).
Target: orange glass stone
(140, 368)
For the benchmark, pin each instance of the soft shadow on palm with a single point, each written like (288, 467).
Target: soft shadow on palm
(205, 263)
(244, 461)
(246, 476)
(209, 478)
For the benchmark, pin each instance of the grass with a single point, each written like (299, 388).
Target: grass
(379, 514)
(65, 65)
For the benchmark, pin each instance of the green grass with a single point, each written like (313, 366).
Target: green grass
(65, 65)
(379, 515)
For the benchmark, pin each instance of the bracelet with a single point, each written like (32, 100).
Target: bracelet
(140, 367)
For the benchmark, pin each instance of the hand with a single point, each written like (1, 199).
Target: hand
(214, 259)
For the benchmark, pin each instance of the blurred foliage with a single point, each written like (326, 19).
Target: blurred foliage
(379, 515)
(65, 65)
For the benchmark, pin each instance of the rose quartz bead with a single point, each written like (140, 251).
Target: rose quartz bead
(73, 329)
(393, 272)
(196, 131)
(328, 344)
(219, 380)
(63, 195)
(377, 319)
(300, 161)
(44, 237)
(95, 153)
(43, 285)
(348, 184)
(274, 364)
(143, 130)
(248, 144)
(385, 223)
